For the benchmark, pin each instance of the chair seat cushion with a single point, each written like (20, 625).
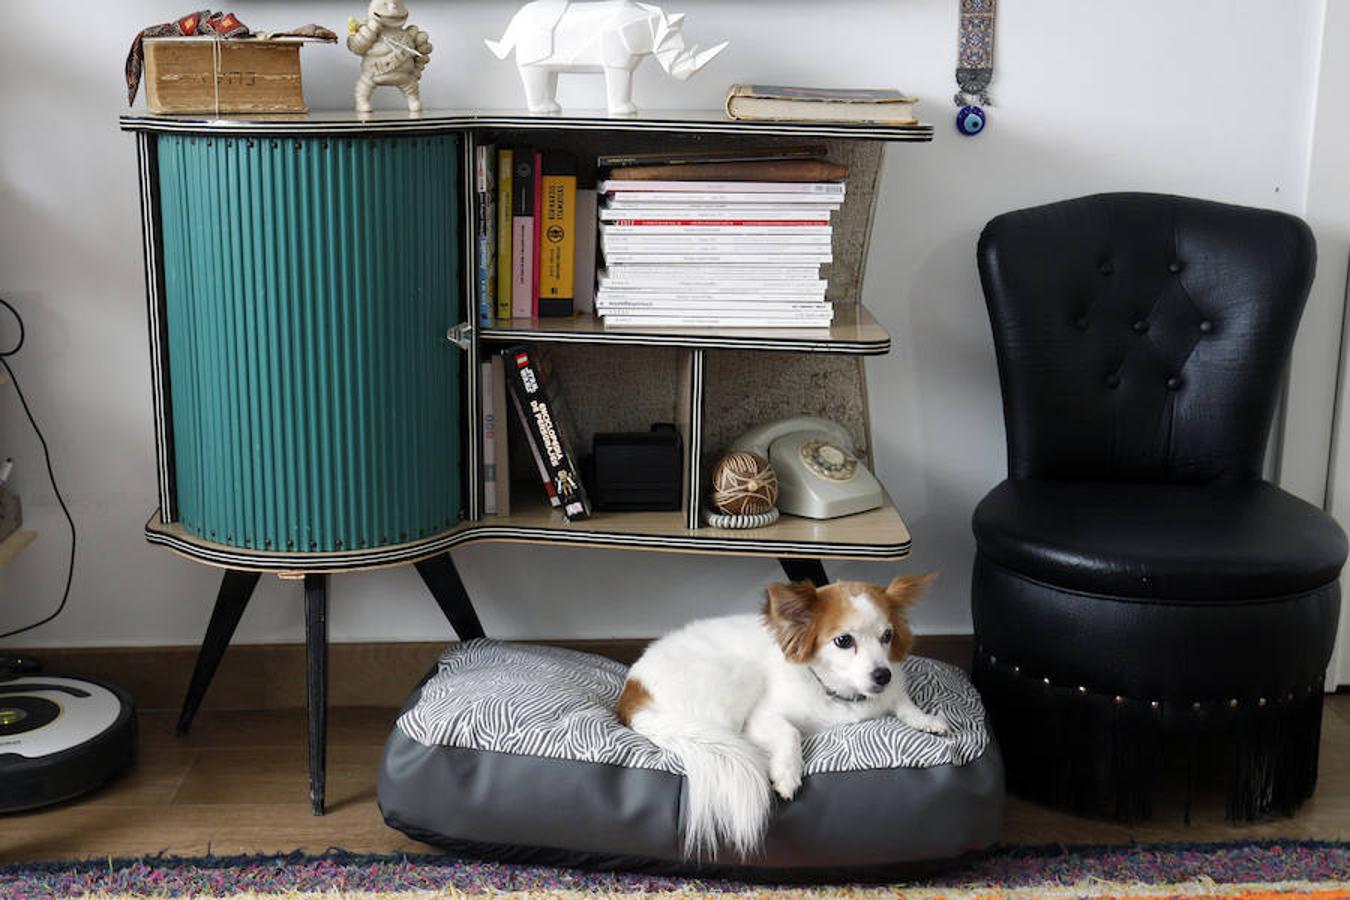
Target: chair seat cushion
(1184, 543)
(514, 751)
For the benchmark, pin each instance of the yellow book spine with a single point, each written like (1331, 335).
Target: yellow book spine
(558, 259)
(505, 165)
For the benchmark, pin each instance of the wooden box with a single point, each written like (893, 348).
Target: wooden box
(203, 75)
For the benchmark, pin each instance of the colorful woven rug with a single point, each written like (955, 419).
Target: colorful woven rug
(1254, 871)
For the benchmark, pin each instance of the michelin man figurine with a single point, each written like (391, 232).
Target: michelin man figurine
(392, 53)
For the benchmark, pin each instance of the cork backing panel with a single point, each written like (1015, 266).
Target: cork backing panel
(745, 389)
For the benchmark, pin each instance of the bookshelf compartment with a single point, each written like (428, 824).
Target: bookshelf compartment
(603, 389)
(851, 223)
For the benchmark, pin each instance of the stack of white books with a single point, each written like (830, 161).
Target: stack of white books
(726, 254)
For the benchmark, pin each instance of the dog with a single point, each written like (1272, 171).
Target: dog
(733, 697)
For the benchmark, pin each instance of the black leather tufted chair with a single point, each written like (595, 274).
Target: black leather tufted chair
(1142, 598)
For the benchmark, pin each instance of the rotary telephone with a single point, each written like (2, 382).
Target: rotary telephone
(819, 475)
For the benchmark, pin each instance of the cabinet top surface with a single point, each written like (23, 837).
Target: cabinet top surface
(394, 122)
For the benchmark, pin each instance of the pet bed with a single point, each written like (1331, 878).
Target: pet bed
(513, 752)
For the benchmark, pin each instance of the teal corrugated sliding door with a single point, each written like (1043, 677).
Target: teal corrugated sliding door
(309, 284)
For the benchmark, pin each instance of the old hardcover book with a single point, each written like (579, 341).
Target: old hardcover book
(780, 171)
(803, 104)
(241, 75)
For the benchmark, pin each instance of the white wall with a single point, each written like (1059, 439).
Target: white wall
(1328, 211)
(1211, 99)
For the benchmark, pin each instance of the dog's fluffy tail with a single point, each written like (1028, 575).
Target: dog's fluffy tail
(729, 793)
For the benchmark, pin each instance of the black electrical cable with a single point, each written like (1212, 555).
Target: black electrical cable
(51, 475)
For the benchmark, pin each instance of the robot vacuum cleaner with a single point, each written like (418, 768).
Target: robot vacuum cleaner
(60, 737)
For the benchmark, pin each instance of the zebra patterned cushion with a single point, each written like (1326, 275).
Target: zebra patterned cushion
(559, 704)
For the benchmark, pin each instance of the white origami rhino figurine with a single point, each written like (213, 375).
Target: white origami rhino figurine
(609, 36)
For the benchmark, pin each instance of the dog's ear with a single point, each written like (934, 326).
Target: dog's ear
(790, 610)
(905, 590)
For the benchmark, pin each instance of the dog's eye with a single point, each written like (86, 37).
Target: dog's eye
(844, 641)
(886, 636)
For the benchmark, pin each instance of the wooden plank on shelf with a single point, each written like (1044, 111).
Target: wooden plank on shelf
(432, 120)
(879, 534)
(15, 544)
(854, 331)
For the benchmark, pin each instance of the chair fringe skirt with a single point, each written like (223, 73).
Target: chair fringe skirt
(1103, 755)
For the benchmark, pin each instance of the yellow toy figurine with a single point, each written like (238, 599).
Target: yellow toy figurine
(392, 53)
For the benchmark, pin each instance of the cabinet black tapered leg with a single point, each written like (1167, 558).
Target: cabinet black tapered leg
(442, 579)
(235, 590)
(812, 570)
(316, 681)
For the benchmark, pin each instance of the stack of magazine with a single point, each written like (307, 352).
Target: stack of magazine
(721, 254)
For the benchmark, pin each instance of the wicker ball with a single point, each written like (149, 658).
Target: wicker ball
(744, 484)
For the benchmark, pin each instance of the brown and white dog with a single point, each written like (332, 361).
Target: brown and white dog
(733, 697)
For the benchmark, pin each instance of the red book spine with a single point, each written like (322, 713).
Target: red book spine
(538, 222)
(787, 222)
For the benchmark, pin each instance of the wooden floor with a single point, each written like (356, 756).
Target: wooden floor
(238, 784)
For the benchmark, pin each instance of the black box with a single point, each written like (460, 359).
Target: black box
(637, 470)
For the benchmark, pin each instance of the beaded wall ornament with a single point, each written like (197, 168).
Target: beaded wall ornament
(974, 64)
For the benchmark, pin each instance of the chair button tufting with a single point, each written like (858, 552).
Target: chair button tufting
(1140, 326)
(1106, 268)
(1206, 326)
(1173, 383)
(1113, 380)
(1175, 266)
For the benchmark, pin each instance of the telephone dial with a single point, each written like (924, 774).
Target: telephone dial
(819, 475)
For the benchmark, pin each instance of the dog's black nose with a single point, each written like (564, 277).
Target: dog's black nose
(881, 676)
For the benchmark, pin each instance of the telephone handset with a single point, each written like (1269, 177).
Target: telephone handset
(819, 476)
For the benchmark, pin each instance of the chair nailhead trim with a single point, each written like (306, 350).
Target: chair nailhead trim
(1197, 706)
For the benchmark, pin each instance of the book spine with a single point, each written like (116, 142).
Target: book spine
(749, 301)
(549, 490)
(713, 290)
(668, 321)
(504, 216)
(541, 422)
(705, 220)
(587, 231)
(490, 192)
(489, 441)
(778, 171)
(661, 275)
(696, 209)
(616, 160)
(833, 189)
(776, 201)
(522, 236)
(633, 241)
(634, 258)
(502, 457)
(711, 307)
(558, 250)
(482, 254)
(538, 221)
(707, 230)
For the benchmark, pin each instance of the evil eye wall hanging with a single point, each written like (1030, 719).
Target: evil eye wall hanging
(970, 120)
(974, 64)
